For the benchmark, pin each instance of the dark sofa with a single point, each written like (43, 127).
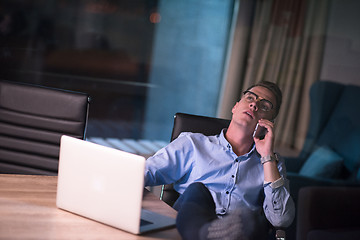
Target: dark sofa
(328, 213)
(331, 152)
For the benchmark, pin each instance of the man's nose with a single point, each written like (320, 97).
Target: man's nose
(254, 105)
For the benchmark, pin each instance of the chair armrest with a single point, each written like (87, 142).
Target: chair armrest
(297, 182)
(168, 194)
(303, 181)
(326, 208)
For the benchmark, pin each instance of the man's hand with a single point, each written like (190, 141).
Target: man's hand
(265, 146)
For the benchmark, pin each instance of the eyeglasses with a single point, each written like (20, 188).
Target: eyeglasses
(264, 105)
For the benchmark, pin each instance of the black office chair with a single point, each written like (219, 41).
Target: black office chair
(208, 126)
(191, 123)
(32, 120)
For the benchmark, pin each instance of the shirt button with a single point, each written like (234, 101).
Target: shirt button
(232, 176)
(227, 192)
(237, 160)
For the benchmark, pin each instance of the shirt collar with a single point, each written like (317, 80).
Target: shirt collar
(227, 145)
(223, 140)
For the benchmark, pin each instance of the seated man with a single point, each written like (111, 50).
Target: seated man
(229, 182)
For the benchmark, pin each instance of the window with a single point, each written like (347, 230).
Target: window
(140, 60)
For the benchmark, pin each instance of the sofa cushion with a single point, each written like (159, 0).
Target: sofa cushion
(343, 129)
(323, 162)
(357, 177)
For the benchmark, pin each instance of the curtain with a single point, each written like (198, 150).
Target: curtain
(285, 46)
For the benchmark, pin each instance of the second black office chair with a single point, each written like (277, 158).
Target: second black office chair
(32, 120)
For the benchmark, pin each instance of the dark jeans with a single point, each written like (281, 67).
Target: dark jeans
(196, 211)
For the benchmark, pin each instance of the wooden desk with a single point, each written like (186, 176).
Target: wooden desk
(28, 211)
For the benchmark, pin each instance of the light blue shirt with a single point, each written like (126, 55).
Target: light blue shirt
(234, 181)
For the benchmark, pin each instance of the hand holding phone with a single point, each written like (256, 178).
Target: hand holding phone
(263, 137)
(259, 132)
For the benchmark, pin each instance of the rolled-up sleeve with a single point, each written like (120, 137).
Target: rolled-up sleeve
(278, 205)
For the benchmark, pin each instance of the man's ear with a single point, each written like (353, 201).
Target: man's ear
(234, 107)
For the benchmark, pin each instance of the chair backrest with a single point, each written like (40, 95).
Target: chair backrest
(191, 123)
(32, 120)
(334, 122)
(342, 131)
(323, 98)
(199, 124)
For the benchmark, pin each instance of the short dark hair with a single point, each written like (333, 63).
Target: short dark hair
(274, 88)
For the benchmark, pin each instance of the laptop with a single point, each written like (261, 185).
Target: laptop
(106, 185)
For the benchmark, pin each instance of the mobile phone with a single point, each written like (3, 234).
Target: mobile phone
(259, 132)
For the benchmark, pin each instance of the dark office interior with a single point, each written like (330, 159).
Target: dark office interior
(142, 61)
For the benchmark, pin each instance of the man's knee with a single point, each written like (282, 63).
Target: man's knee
(197, 193)
(196, 186)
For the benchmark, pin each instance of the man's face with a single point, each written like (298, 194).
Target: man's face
(257, 103)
